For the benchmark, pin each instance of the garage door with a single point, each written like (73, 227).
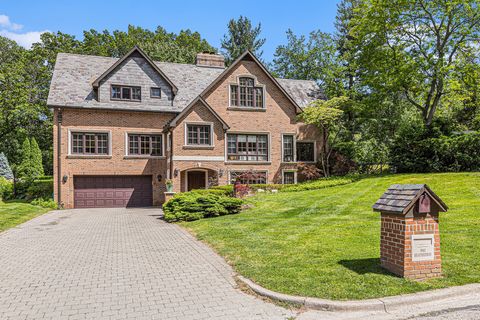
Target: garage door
(112, 191)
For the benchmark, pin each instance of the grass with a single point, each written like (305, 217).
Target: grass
(325, 243)
(13, 213)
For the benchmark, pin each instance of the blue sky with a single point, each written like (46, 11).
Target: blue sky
(24, 20)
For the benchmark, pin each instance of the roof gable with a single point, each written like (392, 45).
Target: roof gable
(135, 50)
(185, 111)
(247, 55)
(400, 198)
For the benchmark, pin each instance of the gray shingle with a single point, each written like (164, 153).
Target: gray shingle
(72, 79)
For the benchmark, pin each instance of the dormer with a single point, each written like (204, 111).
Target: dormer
(134, 79)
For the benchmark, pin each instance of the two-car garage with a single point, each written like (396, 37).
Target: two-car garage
(112, 191)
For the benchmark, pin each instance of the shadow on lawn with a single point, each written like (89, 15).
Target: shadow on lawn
(364, 266)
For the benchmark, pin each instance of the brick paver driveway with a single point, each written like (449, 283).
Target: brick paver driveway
(116, 264)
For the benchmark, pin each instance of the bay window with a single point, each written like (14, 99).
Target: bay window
(247, 147)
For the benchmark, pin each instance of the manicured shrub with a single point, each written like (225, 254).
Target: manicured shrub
(220, 192)
(320, 184)
(190, 206)
(6, 189)
(228, 188)
(39, 189)
(45, 203)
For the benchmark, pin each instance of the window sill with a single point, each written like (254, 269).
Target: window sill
(208, 147)
(143, 157)
(247, 109)
(248, 162)
(86, 156)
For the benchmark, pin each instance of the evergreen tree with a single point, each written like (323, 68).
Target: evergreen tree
(25, 167)
(36, 154)
(241, 36)
(5, 170)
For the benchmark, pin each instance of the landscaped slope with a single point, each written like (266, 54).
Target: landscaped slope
(325, 243)
(13, 213)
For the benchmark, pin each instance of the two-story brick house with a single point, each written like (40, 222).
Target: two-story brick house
(124, 126)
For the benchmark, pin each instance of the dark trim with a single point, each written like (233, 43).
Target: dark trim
(119, 109)
(155, 97)
(247, 154)
(150, 145)
(84, 143)
(96, 83)
(121, 93)
(197, 127)
(59, 157)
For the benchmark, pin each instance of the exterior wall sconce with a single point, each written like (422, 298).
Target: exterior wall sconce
(159, 177)
(176, 172)
(220, 172)
(64, 178)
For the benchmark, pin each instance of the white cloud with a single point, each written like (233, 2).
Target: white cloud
(10, 30)
(6, 23)
(24, 39)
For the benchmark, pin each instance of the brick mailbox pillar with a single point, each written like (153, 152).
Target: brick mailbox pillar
(410, 234)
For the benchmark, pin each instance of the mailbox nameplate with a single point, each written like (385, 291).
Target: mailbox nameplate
(423, 247)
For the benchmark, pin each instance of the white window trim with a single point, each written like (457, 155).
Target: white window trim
(245, 170)
(294, 148)
(255, 84)
(195, 169)
(139, 156)
(198, 146)
(269, 149)
(295, 181)
(70, 131)
(314, 151)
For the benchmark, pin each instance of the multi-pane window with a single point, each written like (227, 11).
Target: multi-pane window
(246, 94)
(247, 147)
(199, 134)
(155, 93)
(288, 148)
(145, 145)
(248, 177)
(126, 93)
(305, 151)
(89, 143)
(289, 177)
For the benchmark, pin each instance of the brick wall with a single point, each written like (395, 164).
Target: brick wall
(396, 244)
(118, 123)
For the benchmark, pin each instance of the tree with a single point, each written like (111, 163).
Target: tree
(25, 169)
(416, 47)
(5, 170)
(241, 36)
(36, 154)
(315, 58)
(326, 115)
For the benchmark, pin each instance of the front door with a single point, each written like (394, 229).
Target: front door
(196, 180)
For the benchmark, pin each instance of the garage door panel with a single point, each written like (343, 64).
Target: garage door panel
(112, 191)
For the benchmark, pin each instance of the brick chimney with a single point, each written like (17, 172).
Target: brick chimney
(205, 59)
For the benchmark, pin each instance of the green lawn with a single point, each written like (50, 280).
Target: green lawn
(325, 243)
(13, 213)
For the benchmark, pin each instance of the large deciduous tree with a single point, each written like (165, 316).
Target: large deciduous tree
(241, 36)
(416, 47)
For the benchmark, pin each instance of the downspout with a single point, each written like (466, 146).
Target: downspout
(59, 157)
(171, 154)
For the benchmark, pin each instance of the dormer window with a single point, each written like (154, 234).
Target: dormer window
(127, 93)
(155, 93)
(245, 94)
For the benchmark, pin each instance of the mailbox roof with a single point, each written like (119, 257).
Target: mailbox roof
(399, 198)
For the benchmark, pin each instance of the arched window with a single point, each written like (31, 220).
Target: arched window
(246, 94)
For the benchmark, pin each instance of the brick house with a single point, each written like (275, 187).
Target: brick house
(124, 126)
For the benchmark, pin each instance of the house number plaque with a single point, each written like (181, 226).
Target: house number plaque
(423, 247)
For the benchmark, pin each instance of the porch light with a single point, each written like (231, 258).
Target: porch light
(64, 178)
(159, 177)
(220, 172)
(175, 172)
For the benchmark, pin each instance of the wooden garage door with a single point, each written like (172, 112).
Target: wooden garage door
(112, 191)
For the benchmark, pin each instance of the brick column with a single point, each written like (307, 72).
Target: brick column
(398, 232)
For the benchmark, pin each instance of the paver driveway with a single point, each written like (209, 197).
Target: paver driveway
(116, 264)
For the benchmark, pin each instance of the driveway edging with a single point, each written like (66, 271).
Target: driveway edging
(378, 304)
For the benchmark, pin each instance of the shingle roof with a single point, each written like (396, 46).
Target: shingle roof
(400, 197)
(74, 74)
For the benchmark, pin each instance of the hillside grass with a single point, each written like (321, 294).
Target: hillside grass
(325, 243)
(13, 213)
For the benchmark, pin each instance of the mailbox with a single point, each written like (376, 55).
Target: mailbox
(410, 233)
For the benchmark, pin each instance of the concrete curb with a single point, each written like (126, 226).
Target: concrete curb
(382, 304)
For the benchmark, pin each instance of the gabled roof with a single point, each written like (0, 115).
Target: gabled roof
(399, 198)
(96, 83)
(175, 120)
(248, 54)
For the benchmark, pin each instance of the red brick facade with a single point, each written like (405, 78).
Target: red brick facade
(396, 244)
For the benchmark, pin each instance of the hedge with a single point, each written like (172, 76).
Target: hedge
(188, 206)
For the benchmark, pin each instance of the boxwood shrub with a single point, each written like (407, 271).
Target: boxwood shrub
(188, 206)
